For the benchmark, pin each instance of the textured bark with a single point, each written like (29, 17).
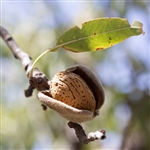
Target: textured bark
(38, 80)
(83, 138)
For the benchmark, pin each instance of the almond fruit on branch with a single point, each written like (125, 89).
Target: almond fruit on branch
(76, 94)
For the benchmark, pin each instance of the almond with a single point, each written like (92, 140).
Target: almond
(72, 90)
(76, 94)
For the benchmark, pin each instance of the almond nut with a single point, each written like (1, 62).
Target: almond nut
(75, 94)
(72, 90)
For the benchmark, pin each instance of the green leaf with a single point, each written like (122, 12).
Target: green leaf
(98, 34)
(95, 35)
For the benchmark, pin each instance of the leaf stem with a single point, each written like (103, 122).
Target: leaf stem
(45, 52)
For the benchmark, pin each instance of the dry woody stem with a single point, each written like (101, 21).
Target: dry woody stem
(39, 80)
(83, 138)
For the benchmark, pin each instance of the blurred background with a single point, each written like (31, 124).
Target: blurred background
(124, 71)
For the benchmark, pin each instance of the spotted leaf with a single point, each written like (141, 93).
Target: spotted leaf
(98, 34)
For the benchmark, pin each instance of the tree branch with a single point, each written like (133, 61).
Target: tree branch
(83, 138)
(39, 80)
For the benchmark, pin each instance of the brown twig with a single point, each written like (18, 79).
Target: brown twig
(39, 80)
(83, 138)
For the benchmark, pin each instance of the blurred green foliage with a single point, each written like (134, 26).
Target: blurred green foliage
(123, 70)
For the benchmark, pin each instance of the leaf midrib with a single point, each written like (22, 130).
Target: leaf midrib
(79, 39)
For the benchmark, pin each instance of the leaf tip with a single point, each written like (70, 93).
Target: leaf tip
(141, 27)
(137, 24)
